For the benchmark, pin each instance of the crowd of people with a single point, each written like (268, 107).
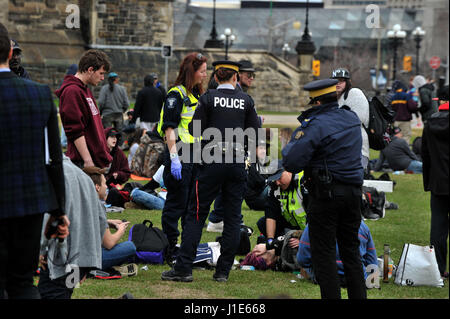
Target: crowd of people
(311, 197)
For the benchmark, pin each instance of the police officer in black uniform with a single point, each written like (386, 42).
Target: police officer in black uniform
(327, 146)
(224, 108)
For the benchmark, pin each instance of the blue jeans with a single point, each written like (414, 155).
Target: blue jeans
(118, 255)
(415, 167)
(146, 199)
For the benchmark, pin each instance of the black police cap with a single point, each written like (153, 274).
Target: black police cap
(227, 65)
(276, 176)
(320, 87)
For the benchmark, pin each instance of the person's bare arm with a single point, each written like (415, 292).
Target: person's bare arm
(80, 144)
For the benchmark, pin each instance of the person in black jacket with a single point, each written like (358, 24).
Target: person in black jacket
(435, 155)
(148, 104)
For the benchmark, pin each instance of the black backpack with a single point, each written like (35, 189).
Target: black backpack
(151, 242)
(381, 118)
(372, 205)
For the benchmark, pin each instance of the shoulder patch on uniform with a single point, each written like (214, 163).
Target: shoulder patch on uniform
(299, 134)
(171, 102)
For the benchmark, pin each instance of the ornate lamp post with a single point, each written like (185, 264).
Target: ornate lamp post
(396, 35)
(305, 46)
(229, 38)
(285, 49)
(213, 42)
(418, 34)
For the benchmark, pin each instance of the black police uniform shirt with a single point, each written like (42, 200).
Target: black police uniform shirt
(327, 132)
(224, 108)
(173, 107)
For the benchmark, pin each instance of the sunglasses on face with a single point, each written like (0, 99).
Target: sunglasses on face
(251, 75)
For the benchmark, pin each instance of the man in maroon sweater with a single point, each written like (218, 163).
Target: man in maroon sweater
(86, 143)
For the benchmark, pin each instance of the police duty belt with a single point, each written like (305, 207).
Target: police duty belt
(226, 147)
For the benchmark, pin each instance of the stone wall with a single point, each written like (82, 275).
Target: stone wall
(132, 22)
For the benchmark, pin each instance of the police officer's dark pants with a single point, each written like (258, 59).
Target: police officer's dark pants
(177, 199)
(337, 219)
(232, 179)
(439, 228)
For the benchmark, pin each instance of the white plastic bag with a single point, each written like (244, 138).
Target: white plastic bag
(418, 267)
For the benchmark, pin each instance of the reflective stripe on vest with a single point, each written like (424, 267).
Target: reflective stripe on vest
(291, 206)
(186, 116)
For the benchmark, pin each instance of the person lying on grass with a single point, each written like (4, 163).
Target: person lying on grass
(296, 243)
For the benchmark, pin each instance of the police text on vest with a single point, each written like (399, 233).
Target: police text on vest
(229, 103)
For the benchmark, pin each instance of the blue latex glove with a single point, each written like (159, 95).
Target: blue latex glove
(175, 168)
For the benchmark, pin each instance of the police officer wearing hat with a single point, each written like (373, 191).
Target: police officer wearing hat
(16, 59)
(223, 109)
(327, 146)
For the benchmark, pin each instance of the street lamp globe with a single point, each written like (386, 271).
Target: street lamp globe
(227, 31)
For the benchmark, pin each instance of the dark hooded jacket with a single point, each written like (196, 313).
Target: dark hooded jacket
(435, 153)
(80, 116)
(119, 165)
(149, 102)
(402, 103)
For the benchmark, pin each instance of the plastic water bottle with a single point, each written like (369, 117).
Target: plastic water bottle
(247, 267)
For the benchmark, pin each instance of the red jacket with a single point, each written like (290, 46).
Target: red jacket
(80, 117)
(119, 165)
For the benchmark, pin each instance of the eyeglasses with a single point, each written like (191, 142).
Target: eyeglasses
(199, 56)
(251, 74)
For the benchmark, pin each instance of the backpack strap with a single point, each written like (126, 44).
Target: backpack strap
(148, 221)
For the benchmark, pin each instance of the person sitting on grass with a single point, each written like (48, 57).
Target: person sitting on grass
(65, 264)
(399, 155)
(114, 252)
(119, 173)
(147, 196)
(366, 250)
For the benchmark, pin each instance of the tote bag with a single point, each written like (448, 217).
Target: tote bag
(418, 267)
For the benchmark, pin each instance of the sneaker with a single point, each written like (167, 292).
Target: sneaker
(444, 276)
(215, 227)
(391, 205)
(220, 277)
(127, 270)
(114, 209)
(172, 275)
(370, 215)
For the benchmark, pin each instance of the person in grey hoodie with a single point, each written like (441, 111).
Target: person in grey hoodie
(355, 99)
(113, 102)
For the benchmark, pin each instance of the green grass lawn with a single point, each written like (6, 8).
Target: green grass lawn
(409, 224)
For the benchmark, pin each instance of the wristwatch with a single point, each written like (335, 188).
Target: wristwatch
(173, 155)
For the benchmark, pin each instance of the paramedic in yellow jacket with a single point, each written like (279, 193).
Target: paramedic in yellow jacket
(176, 114)
(285, 206)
